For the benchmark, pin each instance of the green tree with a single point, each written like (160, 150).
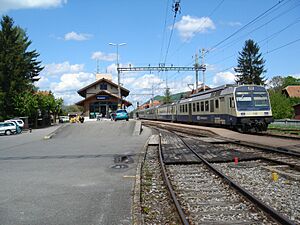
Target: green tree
(276, 83)
(167, 97)
(26, 104)
(71, 108)
(281, 105)
(290, 80)
(18, 65)
(250, 65)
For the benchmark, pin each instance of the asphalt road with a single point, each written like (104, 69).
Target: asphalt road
(71, 178)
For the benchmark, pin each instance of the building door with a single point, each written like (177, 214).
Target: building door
(103, 110)
(190, 113)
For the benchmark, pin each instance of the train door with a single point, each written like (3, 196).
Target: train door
(173, 112)
(190, 113)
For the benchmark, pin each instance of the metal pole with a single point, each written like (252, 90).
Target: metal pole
(196, 70)
(119, 86)
(119, 71)
(202, 62)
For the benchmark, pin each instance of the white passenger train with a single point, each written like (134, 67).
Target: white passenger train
(243, 107)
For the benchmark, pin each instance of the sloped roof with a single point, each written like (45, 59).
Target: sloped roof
(292, 91)
(82, 90)
(103, 92)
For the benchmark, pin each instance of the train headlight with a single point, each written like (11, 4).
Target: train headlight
(266, 113)
(243, 114)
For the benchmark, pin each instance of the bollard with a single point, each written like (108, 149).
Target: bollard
(274, 176)
(236, 160)
(30, 130)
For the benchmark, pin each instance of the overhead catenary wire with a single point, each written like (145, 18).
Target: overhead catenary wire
(176, 10)
(246, 25)
(270, 37)
(200, 26)
(266, 53)
(235, 41)
(164, 32)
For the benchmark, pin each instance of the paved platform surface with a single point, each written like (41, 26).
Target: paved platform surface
(255, 139)
(76, 177)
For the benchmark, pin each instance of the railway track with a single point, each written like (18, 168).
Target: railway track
(204, 195)
(206, 133)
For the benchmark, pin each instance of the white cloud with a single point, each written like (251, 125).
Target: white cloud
(104, 57)
(69, 84)
(146, 81)
(73, 36)
(231, 23)
(64, 80)
(6, 5)
(234, 24)
(210, 67)
(43, 83)
(296, 75)
(60, 68)
(222, 78)
(189, 26)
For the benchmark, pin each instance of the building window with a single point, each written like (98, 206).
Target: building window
(103, 86)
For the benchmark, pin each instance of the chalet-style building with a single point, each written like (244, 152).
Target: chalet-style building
(297, 111)
(101, 97)
(292, 91)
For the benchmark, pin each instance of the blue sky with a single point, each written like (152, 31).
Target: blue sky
(71, 35)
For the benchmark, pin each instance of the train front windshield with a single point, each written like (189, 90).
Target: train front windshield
(251, 98)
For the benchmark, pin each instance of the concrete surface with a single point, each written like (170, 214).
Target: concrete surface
(70, 178)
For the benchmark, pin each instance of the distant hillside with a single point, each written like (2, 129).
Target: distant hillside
(174, 97)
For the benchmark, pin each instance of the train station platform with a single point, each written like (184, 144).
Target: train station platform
(84, 174)
(261, 140)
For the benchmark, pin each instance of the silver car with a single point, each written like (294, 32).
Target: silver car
(7, 128)
(17, 121)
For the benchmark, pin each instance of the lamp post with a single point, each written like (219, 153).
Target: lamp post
(119, 87)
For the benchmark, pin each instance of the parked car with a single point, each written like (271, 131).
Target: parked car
(64, 119)
(17, 121)
(121, 114)
(7, 128)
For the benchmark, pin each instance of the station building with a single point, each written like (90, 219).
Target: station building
(101, 97)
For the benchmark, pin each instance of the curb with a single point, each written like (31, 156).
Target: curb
(49, 136)
(136, 214)
(137, 128)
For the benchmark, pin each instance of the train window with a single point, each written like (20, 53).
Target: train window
(202, 106)
(194, 107)
(217, 103)
(185, 107)
(206, 106)
(212, 108)
(231, 102)
(180, 108)
(198, 106)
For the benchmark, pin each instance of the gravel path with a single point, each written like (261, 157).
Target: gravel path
(156, 205)
(282, 195)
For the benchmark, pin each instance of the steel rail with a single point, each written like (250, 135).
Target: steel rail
(171, 191)
(280, 150)
(270, 211)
